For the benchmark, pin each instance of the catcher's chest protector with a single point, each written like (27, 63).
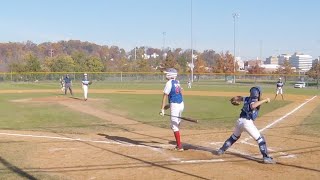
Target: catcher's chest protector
(246, 111)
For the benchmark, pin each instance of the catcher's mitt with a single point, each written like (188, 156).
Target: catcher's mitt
(236, 101)
(90, 82)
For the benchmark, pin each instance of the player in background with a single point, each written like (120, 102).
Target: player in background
(249, 113)
(189, 84)
(85, 85)
(68, 84)
(279, 88)
(172, 92)
(62, 86)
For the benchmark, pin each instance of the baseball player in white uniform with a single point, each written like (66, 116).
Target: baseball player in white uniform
(249, 113)
(85, 85)
(189, 84)
(172, 92)
(62, 86)
(279, 88)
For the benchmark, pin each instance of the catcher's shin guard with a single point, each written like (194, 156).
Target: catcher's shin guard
(232, 139)
(263, 146)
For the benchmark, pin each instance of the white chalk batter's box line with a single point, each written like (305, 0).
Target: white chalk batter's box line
(113, 142)
(171, 158)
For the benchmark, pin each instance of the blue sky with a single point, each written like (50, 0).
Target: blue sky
(264, 28)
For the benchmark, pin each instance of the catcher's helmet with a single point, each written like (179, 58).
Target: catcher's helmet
(255, 92)
(170, 73)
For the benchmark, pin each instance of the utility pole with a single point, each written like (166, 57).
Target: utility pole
(260, 49)
(164, 44)
(51, 52)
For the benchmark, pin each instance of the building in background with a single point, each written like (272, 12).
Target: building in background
(282, 58)
(270, 67)
(272, 60)
(240, 63)
(301, 62)
(316, 61)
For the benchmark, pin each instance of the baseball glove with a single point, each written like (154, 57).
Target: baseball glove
(90, 82)
(236, 101)
(167, 107)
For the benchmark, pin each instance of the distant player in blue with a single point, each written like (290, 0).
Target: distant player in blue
(67, 84)
(85, 86)
(279, 88)
(249, 113)
(172, 92)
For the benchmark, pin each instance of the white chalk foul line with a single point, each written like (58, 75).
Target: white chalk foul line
(60, 138)
(202, 161)
(122, 143)
(282, 118)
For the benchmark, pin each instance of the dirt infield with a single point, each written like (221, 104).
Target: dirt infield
(144, 152)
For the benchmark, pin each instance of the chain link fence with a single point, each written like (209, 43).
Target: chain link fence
(132, 77)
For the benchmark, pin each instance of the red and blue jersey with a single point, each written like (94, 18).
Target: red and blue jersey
(173, 90)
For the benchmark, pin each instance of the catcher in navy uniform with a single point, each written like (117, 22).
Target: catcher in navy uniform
(249, 113)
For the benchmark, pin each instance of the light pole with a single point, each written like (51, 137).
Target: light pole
(164, 44)
(164, 40)
(235, 16)
(192, 65)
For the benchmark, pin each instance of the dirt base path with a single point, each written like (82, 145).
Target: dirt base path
(144, 152)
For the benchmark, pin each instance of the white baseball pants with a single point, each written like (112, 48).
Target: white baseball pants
(176, 110)
(85, 91)
(248, 126)
(279, 90)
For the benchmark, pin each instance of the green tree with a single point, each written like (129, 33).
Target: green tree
(62, 63)
(285, 70)
(170, 62)
(200, 65)
(32, 63)
(93, 64)
(314, 72)
(143, 65)
(224, 63)
(80, 61)
(17, 67)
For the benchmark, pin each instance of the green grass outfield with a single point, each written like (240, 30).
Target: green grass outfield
(213, 112)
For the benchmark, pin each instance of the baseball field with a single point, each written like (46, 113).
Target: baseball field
(118, 133)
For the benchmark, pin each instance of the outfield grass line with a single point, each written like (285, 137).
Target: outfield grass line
(281, 118)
